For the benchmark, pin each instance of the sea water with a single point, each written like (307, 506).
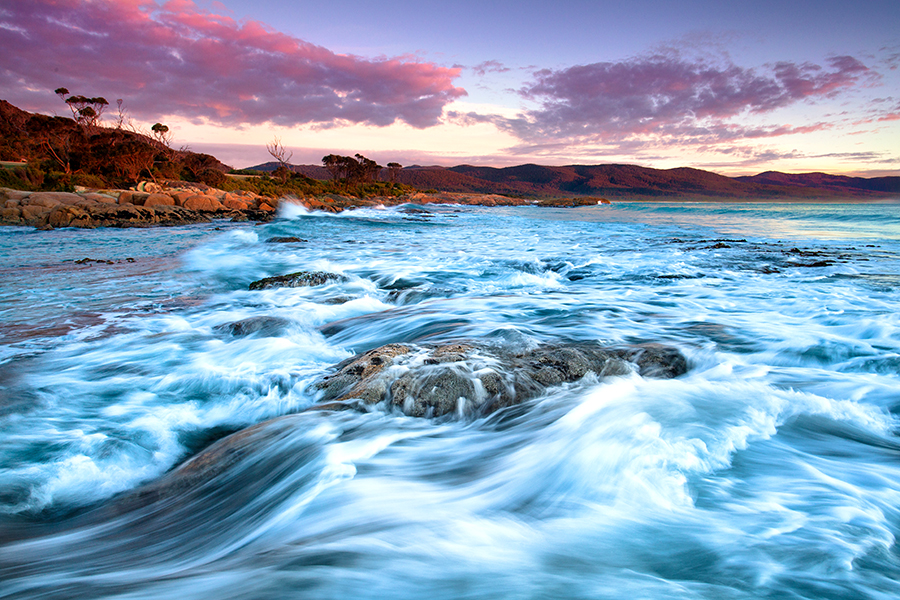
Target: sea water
(770, 470)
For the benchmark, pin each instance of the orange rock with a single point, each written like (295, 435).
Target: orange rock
(136, 198)
(49, 199)
(11, 214)
(97, 197)
(264, 206)
(180, 197)
(69, 216)
(159, 200)
(31, 211)
(203, 203)
(234, 204)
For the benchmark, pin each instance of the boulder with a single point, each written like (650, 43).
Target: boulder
(98, 197)
(203, 203)
(235, 204)
(298, 279)
(265, 207)
(156, 199)
(70, 216)
(51, 199)
(31, 212)
(181, 196)
(136, 198)
(10, 194)
(11, 215)
(461, 379)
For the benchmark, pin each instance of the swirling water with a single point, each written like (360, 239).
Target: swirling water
(770, 470)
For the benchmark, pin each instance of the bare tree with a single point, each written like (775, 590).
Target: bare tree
(280, 153)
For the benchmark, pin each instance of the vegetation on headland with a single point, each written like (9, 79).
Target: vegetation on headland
(53, 153)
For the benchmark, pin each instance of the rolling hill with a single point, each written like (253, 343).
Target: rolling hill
(632, 181)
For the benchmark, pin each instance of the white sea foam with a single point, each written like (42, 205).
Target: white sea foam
(768, 470)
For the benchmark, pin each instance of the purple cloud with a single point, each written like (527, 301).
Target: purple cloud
(666, 94)
(176, 58)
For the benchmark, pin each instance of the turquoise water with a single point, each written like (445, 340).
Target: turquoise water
(770, 470)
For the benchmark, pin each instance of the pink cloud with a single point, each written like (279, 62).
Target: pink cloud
(668, 95)
(176, 58)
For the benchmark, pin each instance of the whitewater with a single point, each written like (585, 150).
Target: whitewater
(771, 469)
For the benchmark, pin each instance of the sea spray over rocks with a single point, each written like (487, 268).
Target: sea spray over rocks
(466, 378)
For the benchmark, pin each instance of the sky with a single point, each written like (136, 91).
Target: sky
(735, 88)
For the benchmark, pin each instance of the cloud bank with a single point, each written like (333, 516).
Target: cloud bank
(176, 58)
(668, 96)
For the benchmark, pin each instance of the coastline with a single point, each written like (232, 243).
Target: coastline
(179, 203)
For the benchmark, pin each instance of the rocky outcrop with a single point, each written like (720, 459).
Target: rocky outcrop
(424, 381)
(431, 381)
(298, 279)
(147, 206)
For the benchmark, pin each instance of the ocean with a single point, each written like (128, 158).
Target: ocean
(770, 469)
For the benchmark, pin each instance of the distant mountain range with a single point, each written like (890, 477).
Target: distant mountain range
(630, 181)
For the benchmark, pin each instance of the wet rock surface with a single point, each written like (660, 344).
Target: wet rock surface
(463, 379)
(259, 326)
(298, 279)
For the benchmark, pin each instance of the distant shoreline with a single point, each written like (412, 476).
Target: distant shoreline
(153, 205)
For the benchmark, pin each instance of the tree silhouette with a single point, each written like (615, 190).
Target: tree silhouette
(394, 170)
(280, 153)
(86, 111)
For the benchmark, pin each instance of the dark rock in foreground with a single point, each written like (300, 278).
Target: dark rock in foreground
(298, 279)
(421, 381)
(464, 379)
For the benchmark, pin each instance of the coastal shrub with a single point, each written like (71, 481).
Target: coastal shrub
(211, 177)
(18, 179)
(87, 180)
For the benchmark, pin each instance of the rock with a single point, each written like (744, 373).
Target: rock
(136, 198)
(265, 207)
(50, 199)
(70, 216)
(10, 194)
(298, 279)
(431, 381)
(284, 240)
(264, 326)
(258, 215)
(234, 204)
(11, 215)
(159, 200)
(98, 197)
(181, 196)
(31, 212)
(203, 203)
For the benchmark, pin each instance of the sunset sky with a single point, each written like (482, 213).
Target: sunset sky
(736, 88)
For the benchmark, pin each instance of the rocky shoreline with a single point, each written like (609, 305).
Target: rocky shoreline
(149, 204)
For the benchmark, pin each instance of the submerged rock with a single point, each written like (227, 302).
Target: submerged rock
(263, 326)
(298, 279)
(285, 240)
(464, 379)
